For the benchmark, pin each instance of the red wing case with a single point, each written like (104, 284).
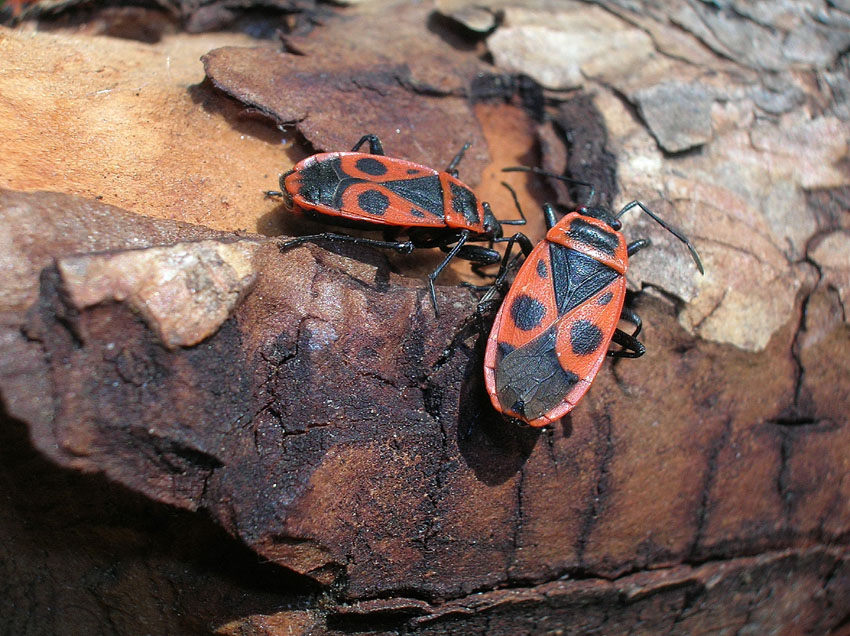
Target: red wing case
(383, 191)
(552, 332)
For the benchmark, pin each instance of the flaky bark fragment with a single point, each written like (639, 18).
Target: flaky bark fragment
(183, 292)
(341, 82)
(559, 45)
(369, 98)
(832, 256)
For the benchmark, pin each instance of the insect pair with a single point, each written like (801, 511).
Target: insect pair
(553, 328)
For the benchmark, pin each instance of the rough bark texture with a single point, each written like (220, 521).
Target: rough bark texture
(203, 434)
(414, 81)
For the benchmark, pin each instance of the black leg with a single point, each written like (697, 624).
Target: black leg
(631, 347)
(375, 146)
(479, 255)
(629, 315)
(525, 245)
(478, 265)
(452, 167)
(405, 247)
(636, 246)
(507, 263)
(287, 199)
(464, 236)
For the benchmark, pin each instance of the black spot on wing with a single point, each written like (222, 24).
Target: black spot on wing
(589, 234)
(605, 298)
(465, 203)
(527, 312)
(576, 277)
(371, 166)
(419, 214)
(424, 192)
(585, 337)
(530, 380)
(373, 202)
(542, 272)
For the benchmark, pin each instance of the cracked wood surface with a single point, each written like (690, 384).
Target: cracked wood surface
(339, 430)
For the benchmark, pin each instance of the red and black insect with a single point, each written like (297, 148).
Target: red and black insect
(554, 327)
(364, 190)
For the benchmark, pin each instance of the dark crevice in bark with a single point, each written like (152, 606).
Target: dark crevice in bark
(604, 454)
(717, 445)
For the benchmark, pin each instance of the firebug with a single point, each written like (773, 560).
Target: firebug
(431, 208)
(556, 322)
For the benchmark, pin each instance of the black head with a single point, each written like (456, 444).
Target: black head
(607, 216)
(286, 197)
(492, 226)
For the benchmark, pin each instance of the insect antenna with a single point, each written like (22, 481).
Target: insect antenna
(674, 231)
(560, 177)
(518, 208)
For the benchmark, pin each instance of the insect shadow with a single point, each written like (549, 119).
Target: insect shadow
(495, 447)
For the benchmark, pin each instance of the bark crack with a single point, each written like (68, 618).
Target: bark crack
(518, 522)
(783, 486)
(717, 445)
(604, 454)
(689, 599)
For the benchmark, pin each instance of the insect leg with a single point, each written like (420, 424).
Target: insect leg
(452, 167)
(507, 263)
(518, 207)
(478, 268)
(631, 346)
(282, 192)
(405, 247)
(375, 146)
(636, 246)
(629, 315)
(464, 236)
(479, 255)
